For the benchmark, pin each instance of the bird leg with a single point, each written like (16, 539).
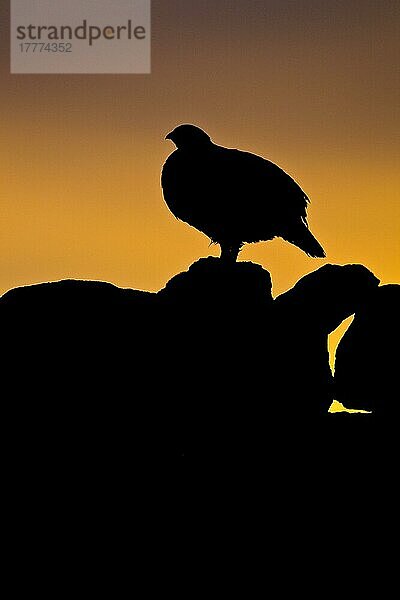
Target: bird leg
(230, 252)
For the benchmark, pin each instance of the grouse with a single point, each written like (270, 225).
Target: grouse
(233, 196)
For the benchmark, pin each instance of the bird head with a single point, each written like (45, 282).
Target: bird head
(188, 136)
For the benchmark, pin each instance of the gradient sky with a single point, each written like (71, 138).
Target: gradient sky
(311, 85)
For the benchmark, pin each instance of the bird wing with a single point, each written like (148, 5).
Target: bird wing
(262, 180)
(233, 195)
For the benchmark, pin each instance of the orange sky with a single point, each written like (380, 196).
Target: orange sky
(313, 86)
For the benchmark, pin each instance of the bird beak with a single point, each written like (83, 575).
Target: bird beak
(168, 136)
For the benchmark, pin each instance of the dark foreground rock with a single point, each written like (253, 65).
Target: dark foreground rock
(98, 381)
(367, 358)
(210, 363)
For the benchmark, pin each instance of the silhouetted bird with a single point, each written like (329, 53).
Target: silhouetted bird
(233, 196)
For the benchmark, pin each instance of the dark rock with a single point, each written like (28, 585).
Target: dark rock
(367, 357)
(304, 317)
(211, 363)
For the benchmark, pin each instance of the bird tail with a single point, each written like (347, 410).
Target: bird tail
(302, 237)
